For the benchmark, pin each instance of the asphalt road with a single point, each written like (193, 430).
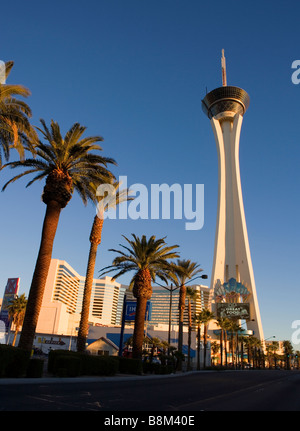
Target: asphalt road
(261, 390)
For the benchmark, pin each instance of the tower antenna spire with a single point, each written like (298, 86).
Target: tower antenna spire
(223, 63)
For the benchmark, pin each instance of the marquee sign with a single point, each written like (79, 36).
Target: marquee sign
(234, 311)
(231, 291)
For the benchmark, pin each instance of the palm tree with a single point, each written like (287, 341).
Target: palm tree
(155, 342)
(148, 258)
(206, 316)
(215, 347)
(115, 197)
(233, 328)
(16, 312)
(183, 271)
(67, 164)
(14, 117)
(271, 351)
(226, 328)
(192, 295)
(243, 341)
(223, 324)
(197, 318)
(288, 350)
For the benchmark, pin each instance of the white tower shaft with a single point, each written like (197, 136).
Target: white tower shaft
(232, 257)
(232, 266)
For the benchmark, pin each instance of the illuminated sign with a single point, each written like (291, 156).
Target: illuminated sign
(238, 311)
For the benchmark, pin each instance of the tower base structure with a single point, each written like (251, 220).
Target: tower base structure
(232, 278)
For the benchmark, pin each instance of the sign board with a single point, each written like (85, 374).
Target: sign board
(237, 311)
(11, 291)
(130, 309)
(12, 286)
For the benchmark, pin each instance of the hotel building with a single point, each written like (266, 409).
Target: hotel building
(62, 301)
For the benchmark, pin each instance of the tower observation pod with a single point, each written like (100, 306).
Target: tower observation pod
(232, 278)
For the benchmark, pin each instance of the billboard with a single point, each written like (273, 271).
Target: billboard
(237, 311)
(11, 291)
(130, 308)
(12, 286)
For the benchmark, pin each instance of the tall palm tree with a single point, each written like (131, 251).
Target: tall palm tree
(148, 258)
(183, 270)
(192, 295)
(274, 348)
(242, 340)
(14, 117)
(226, 328)
(206, 316)
(68, 164)
(223, 324)
(235, 329)
(104, 203)
(16, 312)
(197, 318)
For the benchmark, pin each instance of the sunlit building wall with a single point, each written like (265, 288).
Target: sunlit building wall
(62, 301)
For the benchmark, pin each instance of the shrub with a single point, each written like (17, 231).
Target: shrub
(155, 368)
(71, 364)
(68, 366)
(35, 367)
(13, 361)
(54, 355)
(99, 365)
(129, 365)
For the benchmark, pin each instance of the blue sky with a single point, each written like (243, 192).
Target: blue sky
(135, 72)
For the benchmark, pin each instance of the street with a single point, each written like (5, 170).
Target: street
(259, 390)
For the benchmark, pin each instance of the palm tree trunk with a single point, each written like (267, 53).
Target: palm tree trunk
(182, 295)
(39, 278)
(84, 319)
(225, 344)
(189, 335)
(15, 336)
(198, 346)
(139, 326)
(205, 342)
(95, 240)
(221, 347)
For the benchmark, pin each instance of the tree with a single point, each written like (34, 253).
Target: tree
(183, 270)
(215, 347)
(206, 316)
(288, 351)
(14, 117)
(68, 164)
(155, 342)
(148, 258)
(192, 295)
(16, 312)
(223, 323)
(106, 198)
(198, 321)
(271, 350)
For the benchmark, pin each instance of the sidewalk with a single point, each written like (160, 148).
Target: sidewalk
(116, 378)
